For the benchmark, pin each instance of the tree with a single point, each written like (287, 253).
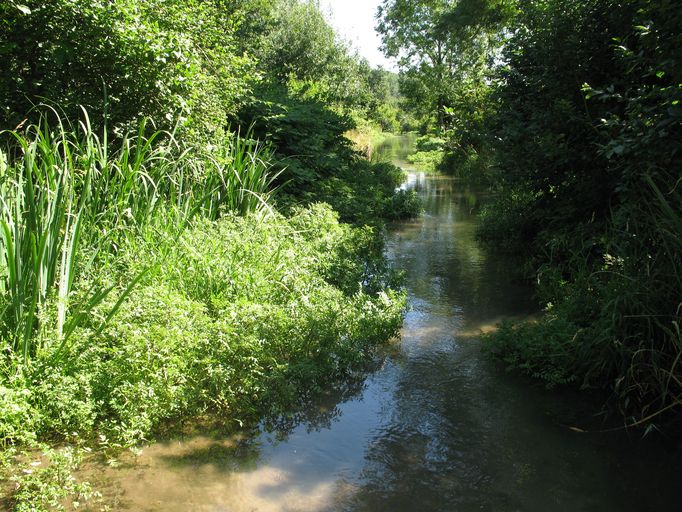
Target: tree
(170, 60)
(587, 131)
(443, 47)
(302, 51)
(412, 31)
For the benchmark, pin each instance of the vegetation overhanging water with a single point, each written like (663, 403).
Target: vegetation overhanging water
(433, 425)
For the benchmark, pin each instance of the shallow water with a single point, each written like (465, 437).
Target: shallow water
(433, 426)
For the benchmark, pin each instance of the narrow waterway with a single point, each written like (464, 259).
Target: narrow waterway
(433, 426)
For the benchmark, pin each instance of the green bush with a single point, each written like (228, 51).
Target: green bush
(545, 351)
(588, 130)
(241, 314)
(427, 143)
(428, 161)
(19, 422)
(67, 193)
(171, 61)
(405, 204)
(509, 221)
(48, 484)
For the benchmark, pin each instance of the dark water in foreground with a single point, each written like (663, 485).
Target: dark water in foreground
(434, 426)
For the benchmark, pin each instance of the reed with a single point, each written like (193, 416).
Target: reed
(41, 223)
(238, 177)
(66, 189)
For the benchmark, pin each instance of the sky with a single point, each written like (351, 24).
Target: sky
(354, 20)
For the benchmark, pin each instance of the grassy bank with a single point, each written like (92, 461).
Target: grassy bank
(180, 267)
(142, 283)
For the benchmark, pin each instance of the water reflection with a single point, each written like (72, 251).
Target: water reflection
(395, 149)
(433, 426)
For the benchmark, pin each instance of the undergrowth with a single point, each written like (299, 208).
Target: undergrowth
(429, 153)
(161, 287)
(588, 174)
(612, 306)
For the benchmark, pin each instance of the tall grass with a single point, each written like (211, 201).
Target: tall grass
(41, 223)
(64, 188)
(236, 178)
(656, 368)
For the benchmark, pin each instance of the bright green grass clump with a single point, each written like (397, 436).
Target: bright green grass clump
(67, 192)
(140, 283)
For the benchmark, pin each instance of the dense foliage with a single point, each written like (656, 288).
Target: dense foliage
(312, 93)
(199, 69)
(577, 124)
(444, 47)
(589, 128)
(447, 49)
(174, 62)
(236, 315)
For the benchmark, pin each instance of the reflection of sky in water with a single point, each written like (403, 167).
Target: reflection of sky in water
(414, 181)
(435, 426)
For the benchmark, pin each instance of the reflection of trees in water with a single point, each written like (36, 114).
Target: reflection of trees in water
(230, 452)
(447, 265)
(229, 455)
(395, 148)
(441, 194)
(318, 411)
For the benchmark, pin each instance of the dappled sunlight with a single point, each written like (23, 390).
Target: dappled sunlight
(433, 425)
(205, 474)
(422, 334)
(273, 490)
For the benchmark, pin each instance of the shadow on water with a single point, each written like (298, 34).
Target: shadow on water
(433, 426)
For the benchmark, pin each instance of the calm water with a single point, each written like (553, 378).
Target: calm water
(434, 426)
(396, 148)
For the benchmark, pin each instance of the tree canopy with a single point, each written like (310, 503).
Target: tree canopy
(443, 47)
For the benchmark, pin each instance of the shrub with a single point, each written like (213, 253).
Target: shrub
(172, 61)
(240, 314)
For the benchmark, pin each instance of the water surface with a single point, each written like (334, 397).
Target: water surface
(433, 426)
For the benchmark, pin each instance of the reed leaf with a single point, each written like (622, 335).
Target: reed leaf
(67, 189)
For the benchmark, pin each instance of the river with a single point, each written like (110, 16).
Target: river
(433, 425)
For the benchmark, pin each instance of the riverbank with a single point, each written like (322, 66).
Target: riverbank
(133, 298)
(245, 315)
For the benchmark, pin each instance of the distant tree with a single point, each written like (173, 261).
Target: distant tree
(412, 31)
(304, 52)
(441, 46)
(386, 99)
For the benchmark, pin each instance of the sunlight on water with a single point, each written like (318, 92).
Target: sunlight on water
(414, 181)
(433, 426)
(192, 475)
